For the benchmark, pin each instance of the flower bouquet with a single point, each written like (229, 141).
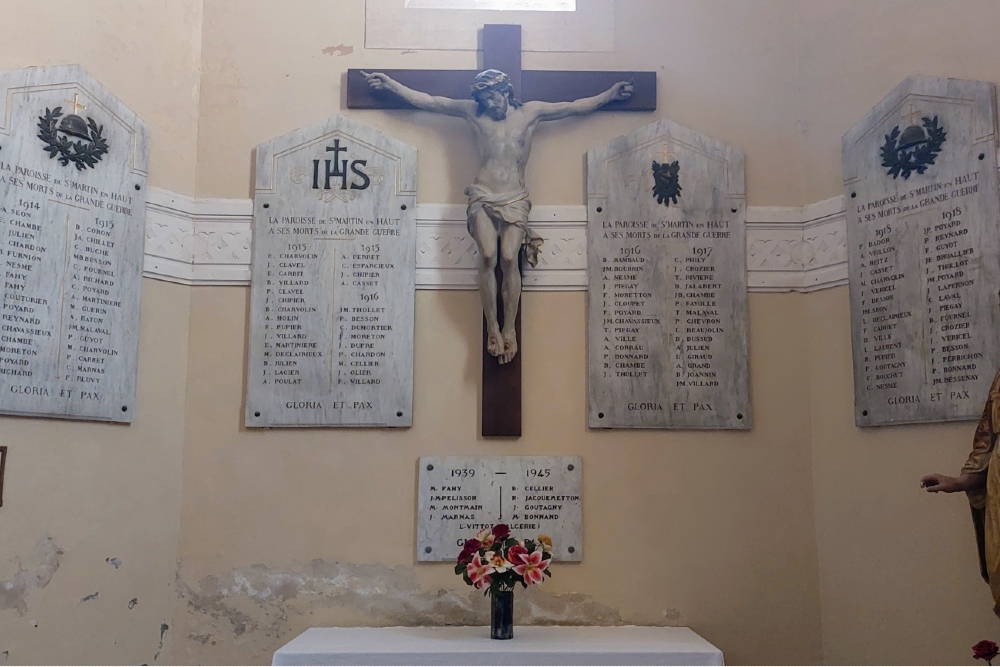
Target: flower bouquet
(495, 563)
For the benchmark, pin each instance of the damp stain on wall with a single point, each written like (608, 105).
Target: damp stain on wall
(267, 606)
(36, 573)
(339, 50)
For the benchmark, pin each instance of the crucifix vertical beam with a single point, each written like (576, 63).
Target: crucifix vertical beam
(501, 402)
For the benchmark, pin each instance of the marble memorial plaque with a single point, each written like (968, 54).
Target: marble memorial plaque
(920, 183)
(73, 170)
(667, 282)
(332, 282)
(535, 495)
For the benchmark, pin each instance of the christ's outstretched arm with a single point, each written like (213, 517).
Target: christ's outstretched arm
(556, 110)
(445, 105)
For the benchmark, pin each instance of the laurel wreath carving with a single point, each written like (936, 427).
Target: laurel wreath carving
(82, 155)
(916, 159)
(666, 182)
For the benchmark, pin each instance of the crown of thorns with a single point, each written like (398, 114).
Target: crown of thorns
(491, 79)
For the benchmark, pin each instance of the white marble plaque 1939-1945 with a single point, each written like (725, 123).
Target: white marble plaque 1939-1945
(923, 223)
(667, 282)
(333, 279)
(535, 495)
(73, 170)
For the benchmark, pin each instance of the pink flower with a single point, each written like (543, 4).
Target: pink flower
(532, 567)
(479, 572)
(516, 554)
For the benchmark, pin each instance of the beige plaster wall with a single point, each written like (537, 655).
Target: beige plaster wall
(94, 508)
(286, 529)
(899, 575)
(804, 539)
(851, 53)
(898, 571)
(80, 497)
(725, 68)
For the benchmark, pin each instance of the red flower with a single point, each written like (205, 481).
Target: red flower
(516, 554)
(468, 549)
(501, 531)
(985, 650)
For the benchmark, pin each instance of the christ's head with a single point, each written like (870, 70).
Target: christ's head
(493, 93)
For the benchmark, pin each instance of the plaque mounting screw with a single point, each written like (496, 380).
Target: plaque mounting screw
(399, 414)
(982, 156)
(138, 187)
(864, 413)
(256, 414)
(403, 207)
(600, 415)
(600, 210)
(124, 408)
(267, 206)
(735, 210)
(571, 550)
(430, 467)
(427, 550)
(854, 195)
(570, 467)
(739, 415)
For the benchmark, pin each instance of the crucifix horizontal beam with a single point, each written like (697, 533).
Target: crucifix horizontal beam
(536, 85)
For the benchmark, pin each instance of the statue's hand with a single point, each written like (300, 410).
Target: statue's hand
(937, 483)
(378, 81)
(622, 91)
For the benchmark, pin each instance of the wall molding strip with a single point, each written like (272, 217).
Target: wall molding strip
(207, 242)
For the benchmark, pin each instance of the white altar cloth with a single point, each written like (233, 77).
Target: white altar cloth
(531, 645)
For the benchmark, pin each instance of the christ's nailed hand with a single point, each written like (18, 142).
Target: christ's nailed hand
(377, 80)
(623, 91)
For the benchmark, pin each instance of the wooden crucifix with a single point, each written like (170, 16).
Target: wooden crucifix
(497, 211)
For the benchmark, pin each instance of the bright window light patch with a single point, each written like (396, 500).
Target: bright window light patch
(513, 5)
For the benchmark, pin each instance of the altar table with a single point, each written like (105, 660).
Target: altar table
(531, 645)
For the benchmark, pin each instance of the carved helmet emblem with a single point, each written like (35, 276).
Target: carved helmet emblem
(914, 149)
(58, 134)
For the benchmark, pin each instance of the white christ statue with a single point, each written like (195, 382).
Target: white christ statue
(498, 199)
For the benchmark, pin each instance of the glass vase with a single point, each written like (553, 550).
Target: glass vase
(502, 615)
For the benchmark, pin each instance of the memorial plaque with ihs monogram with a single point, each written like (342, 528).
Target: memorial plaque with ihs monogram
(333, 275)
(667, 282)
(923, 210)
(73, 162)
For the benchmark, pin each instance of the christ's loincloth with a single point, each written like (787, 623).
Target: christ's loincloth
(509, 208)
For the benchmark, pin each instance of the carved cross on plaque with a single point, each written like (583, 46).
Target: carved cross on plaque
(912, 115)
(75, 103)
(501, 407)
